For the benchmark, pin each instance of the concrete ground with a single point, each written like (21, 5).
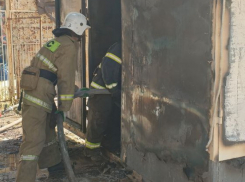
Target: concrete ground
(84, 168)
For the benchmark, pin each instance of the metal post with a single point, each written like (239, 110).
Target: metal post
(57, 13)
(9, 50)
(41, 32)
(3, 58)
(83, 59)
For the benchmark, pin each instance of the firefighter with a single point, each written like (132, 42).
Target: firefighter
(55, 63)
(104, 108)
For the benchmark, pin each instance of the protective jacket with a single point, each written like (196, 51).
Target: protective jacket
(57, 56)
(108, 74)
(54, 63)
(103, 108)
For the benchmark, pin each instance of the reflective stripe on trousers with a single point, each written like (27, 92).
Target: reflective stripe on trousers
(28, 157)
(91, 145)
(37, 101)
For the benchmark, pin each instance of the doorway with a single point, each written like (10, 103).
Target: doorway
(105, 20)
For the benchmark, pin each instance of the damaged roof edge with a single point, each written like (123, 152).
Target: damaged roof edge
(46, 7)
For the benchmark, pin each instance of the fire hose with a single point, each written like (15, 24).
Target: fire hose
(61, 136)
(64, 152)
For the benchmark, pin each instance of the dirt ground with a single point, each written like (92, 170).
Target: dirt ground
(84, 168)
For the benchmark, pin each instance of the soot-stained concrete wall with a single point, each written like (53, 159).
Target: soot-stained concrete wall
(166, 87)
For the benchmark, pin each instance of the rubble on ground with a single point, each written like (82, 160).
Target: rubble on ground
(84, 168)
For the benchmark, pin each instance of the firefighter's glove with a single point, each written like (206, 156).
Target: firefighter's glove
(53, 117)
(61, 113)
(84, 92)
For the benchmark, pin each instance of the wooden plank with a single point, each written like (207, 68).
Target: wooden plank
(227, 152)
(73, 127)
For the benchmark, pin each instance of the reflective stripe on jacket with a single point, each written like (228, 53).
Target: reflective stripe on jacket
(108, 73)
(58, 55)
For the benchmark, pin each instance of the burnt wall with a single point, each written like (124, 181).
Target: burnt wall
(166, 87)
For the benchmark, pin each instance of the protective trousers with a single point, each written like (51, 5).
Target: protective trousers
(39, 144)
(102, 119)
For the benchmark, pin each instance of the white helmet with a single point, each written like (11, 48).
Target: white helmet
(76, 22)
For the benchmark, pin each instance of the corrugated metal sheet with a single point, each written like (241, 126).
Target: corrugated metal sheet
(27, 32)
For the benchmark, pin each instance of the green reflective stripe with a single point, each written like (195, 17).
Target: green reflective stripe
(66, 97)
(52, 45)
(50, 143)
(91, 145)
(111, 85)
(48, 63)
(99, 65)
(114, 57)
(97, 86)
(38, 101)
(28, 157)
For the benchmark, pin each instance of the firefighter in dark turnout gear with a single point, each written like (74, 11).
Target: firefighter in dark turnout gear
(55, 63)
(102, 107)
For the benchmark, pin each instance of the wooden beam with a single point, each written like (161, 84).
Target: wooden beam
(74, 127)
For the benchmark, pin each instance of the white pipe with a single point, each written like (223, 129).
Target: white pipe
(211, 133)
(11, 108)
